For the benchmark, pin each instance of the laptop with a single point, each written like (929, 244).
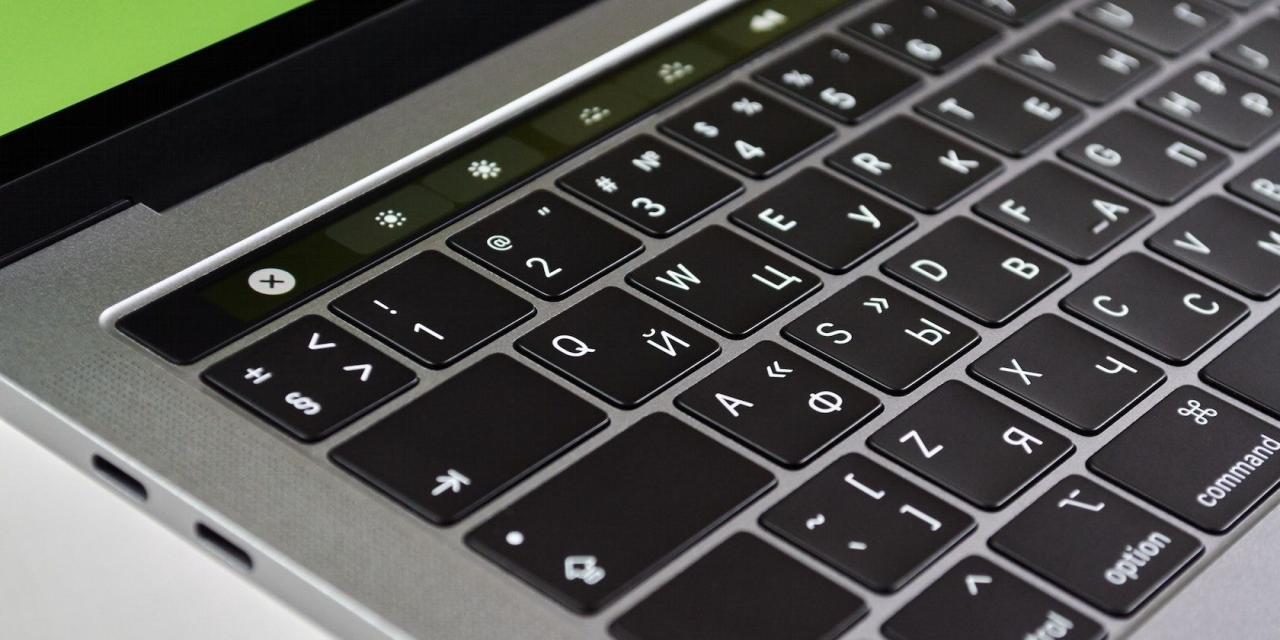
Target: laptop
(800, 319)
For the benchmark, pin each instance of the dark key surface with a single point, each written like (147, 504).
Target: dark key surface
(1248, 368)
(1227, 242)
(743, 589)
(824, 219)
(971, 444)
(995, 109)
(780, 404)
(748, 130)
(1015, 12)
(1068, 373)
(1168, 27)
(469, 439)
(1218, 103)
(838, 80)
(1080, 63)
(651, 185)
(1156, 307)
(977, 271)
(618, 347)
(724, 281)
(433, 309)
(868, 523)
(1145, 157)
(590, 533)
(977, 600)
(1198, 457)
(310, 378)
(1260, 183)
(1064, 211)
(1256, 50)
(927, 34)
(546, 245)
(887, 337)
(914, 163)
(1097, 545)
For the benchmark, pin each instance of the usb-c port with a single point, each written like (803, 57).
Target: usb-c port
(120, 479)
(224, 548)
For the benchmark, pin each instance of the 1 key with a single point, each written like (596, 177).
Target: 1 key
(922, 33)
(1076, 61)
(838, 80)
(1227, 242)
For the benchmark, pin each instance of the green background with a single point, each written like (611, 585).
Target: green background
(54, 53)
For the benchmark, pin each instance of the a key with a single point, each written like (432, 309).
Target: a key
(914, 163)
(927, 34)
(1260, 183)
(724, 281)
(824, 219)
(1007, 114)
(469, 439)
(1197, 456)
(1080, 63)
(433, 309)
(1156, 307)
(1014, 12)
(780, 404)
(546, 245)
(1168, 27)
(1248, 368)
(310, 378)
(1145, 157)
(977, 600)
(744, 589)
(1256, 50)
(1067, 373)
(971, 444)
(868, 523)
(1227, 242)
(977, 271)
(1206, 98)
(1097, 545)
(748, 130)
(651, 185)
(1069, 214)
(881, 334)
(588, 534)
(618, 347)
(838, 80)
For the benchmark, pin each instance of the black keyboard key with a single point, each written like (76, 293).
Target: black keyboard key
(914, 163)
(977, 271)
(1086, 66)
(1168, 27)
(1015, 12)
(824, 219)
(1236, 112)
(1068, 213)
(433, 309)
(546, 245)
(603, 524)
(868, 523)
(1248, 368)
(618, 347)
(1260, 183)
(881, 334)
(780, 404)
(1227, 242)
(997, 110)
(1097, 545)
(838, 80)
(1155, 307)
(1197, 456)
(724, 281)
(310, 378)
(1256, 50)
(927, 34)
(1068, 373)
(744, 589)
(1148, 158)
(651, 185)
(469, 439)
(971, 444)
(748, 130)
(977, 600)
(1241, 5)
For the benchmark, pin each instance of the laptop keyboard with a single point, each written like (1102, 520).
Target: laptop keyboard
(643, 280)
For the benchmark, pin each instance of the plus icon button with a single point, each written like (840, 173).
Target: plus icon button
(272, 281)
